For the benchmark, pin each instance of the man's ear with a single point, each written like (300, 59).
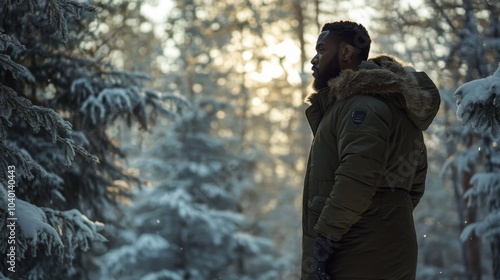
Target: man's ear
(348, 52)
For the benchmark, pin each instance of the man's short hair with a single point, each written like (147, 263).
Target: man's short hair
(351, 33)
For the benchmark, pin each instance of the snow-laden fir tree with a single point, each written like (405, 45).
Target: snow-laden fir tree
(189, 223)
(58, 97)
(479, 107)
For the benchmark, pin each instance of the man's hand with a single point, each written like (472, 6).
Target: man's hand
(323, 252)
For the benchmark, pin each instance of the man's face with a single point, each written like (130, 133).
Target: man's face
(326, 61)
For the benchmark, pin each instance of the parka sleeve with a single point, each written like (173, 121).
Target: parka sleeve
(362, 126)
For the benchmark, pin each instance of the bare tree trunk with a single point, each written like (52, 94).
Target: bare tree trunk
(478, 60)
(477, 63)
(457, 193)
(495, 250)
(316, 18)
(494, 34)
(493, 207)
(299, 14)
(300, 34)
(473, 243)
(461, 214)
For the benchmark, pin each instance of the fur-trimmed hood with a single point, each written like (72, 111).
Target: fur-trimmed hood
(386, 77)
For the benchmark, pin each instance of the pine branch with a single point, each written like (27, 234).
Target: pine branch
(21, 159)
(131, 77)
(36, 116)
(478, 104)
(4, 122)
(91, 105)
(118, 99)
(7, 41)
(76, 229)
(81, 85)
(16, 69)
(70, 148)
(38, 226)
(55, 12)
(33, 227)
(169, 105)
(30, 3)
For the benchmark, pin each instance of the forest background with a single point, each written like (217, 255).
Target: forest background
(167, 139)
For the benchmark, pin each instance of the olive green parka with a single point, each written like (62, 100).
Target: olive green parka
(367, 168)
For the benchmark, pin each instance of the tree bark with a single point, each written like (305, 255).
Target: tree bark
(473, 243)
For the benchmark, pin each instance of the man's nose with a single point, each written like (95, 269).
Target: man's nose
(314, 60)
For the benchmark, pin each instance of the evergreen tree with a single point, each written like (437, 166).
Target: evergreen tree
(189, 223)
(478, 108)
(57, 101)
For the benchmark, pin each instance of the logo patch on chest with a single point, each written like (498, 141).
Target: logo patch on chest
(358, 117)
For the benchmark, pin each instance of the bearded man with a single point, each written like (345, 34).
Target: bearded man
(368, 162)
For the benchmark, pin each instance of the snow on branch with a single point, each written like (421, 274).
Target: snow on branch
(465, 159)
(489, 227)
(60, 233)
(479, 105)
(164, 274)
(170, 105)
(70, 148)
(36, 116)
(109, 102)
(81, 84)
(94, 108)
(129, 77)
(117, 260)
(4, 122)
(55, 12)
(75, 229)
(181, 101)
(485, 185)
(16, 69)
(118, 98)
(31, 4)
(21, 159)
(468, 231)
(252, 245)
(7, 41)
(32, 223)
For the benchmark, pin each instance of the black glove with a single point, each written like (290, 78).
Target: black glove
(322, 254)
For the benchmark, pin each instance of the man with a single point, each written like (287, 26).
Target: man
(367, 166)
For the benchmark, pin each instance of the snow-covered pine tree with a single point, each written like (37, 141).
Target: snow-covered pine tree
(189, 222)
(479, 107)
(57, 100)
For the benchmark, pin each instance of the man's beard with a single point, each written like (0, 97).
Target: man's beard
(331, 72)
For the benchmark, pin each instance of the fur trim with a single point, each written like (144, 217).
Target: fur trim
(311, 98)
(390, 78)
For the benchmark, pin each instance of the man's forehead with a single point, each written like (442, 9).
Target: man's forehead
(324, 38)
